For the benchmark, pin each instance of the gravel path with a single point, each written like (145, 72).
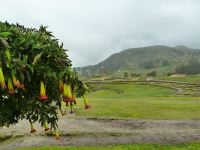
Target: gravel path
(103, 131)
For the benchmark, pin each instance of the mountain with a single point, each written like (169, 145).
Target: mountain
(162, 59)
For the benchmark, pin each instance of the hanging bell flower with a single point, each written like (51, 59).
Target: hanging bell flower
(7, 55)
(86, 102)
(57, 134)
(46, 126)
(61, 86)
(32, 128)
(43, 95)
(17, 83)
(11, 90)
(2, 80)
(74, 98)
(65, 90)
(67, 95)
(71, 108)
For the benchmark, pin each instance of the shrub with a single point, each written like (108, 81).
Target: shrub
(152, 74)
(126, 74)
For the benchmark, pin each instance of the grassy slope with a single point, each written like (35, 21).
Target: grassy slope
(194, 146)
(139, 101)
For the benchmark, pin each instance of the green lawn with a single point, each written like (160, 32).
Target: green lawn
(139, 101)
(194, 146)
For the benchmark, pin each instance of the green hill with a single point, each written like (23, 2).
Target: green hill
(163, 59)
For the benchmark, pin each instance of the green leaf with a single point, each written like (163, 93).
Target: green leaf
(5, 34)
(30, 68)
(4, 42)
(37, 58)
(28, 76)
(21, 74)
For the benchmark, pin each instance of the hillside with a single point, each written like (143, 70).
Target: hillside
(162, 59)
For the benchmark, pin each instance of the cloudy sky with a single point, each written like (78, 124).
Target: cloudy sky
(94, 29)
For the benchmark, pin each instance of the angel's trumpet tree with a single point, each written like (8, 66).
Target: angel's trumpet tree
(36, 75)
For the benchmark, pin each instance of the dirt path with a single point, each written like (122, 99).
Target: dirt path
(102, 131)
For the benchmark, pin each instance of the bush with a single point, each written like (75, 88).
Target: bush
(148, 64)
(152, 74)
(169, 74)
(190, 69)
(135, 75)
(126, 74)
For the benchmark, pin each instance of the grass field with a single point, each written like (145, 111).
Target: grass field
(139, 101)
(194, 146)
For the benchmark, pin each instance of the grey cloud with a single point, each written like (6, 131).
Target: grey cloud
(94, 29)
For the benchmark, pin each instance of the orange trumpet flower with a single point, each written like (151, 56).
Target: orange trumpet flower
(10, 87)
(17, 83)
(67, 95)
(43, 95)
(61, 86)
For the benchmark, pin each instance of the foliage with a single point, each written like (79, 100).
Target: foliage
(169, 74)
(152, 74)
(126, 74)
(134, 75)
(32, 63)
(190, 69)
(149, 64)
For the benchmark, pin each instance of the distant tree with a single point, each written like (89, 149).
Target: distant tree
(190, 69)
(104, 72)
(148, 64)
(134, 75)
(165, 63)
(152, 74)
(126, 74)
(162, 62)
(169, 74)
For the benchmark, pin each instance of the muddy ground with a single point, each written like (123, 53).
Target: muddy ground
(102, 131)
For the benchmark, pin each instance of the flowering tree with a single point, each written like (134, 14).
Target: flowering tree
(35, 76)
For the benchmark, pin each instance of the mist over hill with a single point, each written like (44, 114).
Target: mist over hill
(159, 58)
